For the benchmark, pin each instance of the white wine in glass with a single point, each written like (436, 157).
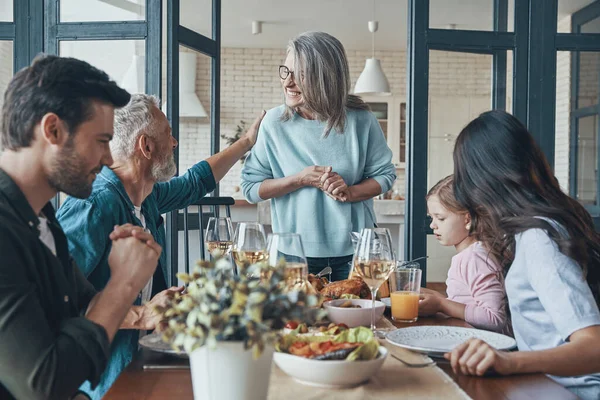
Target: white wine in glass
(374, 262)
(287, 247)
(374, 272)
(249, 256)
(249, 244)
(219, 235)
(223, 246)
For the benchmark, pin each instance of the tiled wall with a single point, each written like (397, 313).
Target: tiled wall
(249, 83)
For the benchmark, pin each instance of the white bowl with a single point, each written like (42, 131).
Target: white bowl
(353, 317)
(329, 373)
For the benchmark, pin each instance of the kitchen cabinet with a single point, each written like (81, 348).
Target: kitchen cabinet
(448, 115)
(391, 114)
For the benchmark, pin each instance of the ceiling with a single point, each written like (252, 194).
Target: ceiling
(284, 19)
(345, 19)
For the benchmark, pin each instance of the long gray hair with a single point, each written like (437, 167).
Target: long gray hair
(323, 76)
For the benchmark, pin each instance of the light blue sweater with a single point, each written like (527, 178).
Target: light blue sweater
(285, 148)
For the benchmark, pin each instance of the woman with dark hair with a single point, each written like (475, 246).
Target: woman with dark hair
(548, 247)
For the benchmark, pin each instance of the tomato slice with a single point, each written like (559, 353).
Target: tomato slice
(291, 325)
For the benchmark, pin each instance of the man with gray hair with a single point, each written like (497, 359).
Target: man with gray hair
(137, 188)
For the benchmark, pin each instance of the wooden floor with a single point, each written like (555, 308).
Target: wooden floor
(438, 287)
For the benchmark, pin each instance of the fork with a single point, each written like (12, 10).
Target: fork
(414, 365)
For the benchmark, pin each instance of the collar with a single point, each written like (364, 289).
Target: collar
(17, 200)
(108, 176)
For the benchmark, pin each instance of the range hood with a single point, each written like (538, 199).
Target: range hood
(189, 103)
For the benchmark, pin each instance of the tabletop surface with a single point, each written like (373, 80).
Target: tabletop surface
(153, 376)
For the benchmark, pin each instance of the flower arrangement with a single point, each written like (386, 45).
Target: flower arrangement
(252, 307)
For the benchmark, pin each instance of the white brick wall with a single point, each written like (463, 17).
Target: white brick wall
(6, 66)
(563, 108)
(249, 83)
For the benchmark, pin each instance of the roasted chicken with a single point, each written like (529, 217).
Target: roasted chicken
(318, 283)
(354, 285)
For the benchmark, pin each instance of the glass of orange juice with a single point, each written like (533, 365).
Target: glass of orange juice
(405, 285)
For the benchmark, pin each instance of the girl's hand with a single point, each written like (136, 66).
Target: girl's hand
(476, 357)
(432, 292)
(429, 304)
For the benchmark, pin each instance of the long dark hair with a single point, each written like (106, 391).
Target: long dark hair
(505, 182)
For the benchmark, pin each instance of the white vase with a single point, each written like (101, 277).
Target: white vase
(228, 372)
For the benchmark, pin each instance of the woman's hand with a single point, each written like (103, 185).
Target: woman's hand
(311, 176)
(476, 357)
(334, 186)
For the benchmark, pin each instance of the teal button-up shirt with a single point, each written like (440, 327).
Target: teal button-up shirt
(88, 223)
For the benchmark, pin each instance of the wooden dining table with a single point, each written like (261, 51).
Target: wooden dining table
(157, 376)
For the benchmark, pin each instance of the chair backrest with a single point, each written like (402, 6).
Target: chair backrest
(190, 221)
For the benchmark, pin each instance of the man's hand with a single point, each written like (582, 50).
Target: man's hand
(133, 259)
(475, 357)
(252, 132)
(129, 230)
(150, 318)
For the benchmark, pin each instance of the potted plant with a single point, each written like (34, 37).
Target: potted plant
(240, 129)
(228, 323)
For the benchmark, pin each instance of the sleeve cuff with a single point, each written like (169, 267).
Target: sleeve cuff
(206, 175)
(569, 327)
(93, 341)
(384, 183)
(252, 194)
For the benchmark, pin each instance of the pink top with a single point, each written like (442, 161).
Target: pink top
(476, 280)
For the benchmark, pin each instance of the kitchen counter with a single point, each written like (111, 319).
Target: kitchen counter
(389, 214)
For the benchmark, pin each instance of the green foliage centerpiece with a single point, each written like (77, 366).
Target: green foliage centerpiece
(251, 307)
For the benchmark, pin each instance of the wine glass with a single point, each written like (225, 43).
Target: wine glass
(249, 244)
(287, 248)
(219, 235)
(374, 261)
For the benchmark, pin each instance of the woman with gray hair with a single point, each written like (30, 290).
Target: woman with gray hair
(321, 157)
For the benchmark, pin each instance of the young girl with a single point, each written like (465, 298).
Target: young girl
(547, 242)
(474, 286)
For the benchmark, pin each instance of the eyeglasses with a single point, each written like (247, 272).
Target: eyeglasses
(284, 72)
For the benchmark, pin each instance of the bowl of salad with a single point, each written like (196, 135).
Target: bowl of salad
(347, 358)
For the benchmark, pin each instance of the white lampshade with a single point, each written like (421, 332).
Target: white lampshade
(372, 81)
(189, 104)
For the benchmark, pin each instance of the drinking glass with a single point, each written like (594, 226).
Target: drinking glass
(249, 244)
(287, 248)
(405, 285)
(219, 235)
(374, 261)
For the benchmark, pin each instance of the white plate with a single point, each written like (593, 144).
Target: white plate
(437, 340)
(386, 301)
(329, 373)
(154, 342)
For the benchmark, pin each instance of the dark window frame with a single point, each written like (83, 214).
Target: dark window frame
(180, 35)
(577, 42)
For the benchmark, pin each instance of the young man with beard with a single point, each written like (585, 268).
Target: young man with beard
(55, 328)
(137, 189)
